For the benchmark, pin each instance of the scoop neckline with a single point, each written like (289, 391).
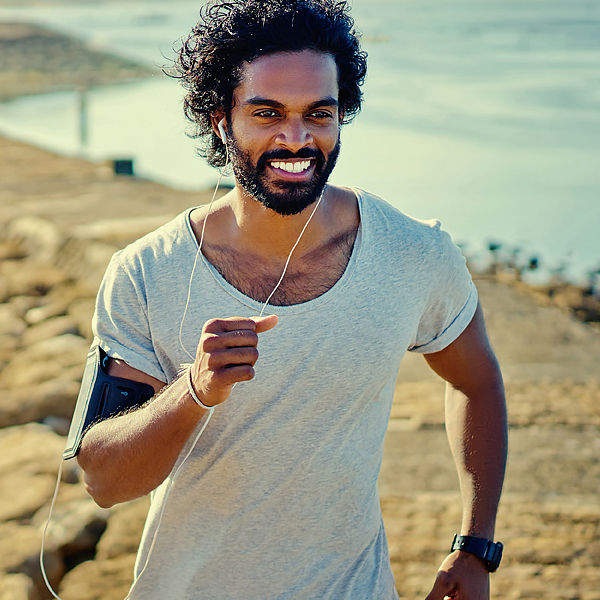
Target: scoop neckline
(271, 309)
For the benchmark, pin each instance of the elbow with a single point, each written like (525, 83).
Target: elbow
(103, 500)
(98, 482)
(107, 487)
(108, 493)
(100, 491)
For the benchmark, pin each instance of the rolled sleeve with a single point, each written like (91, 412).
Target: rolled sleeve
(451, 299)
(120, 323)
(454, 329)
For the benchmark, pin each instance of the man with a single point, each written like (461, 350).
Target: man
(278, 498)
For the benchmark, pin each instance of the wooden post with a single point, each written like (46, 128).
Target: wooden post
(83, 117)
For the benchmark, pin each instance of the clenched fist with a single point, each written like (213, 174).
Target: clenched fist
(226, 354)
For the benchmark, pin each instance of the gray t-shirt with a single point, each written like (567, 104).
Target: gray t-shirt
(279, 499)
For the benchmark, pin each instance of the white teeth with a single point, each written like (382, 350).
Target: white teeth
(290, 167)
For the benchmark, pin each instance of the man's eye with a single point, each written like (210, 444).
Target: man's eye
(320, 114)
(266, 114)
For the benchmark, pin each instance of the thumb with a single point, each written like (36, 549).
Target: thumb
(265, 323)
(442, 587)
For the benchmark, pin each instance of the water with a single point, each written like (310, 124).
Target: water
(481, 113)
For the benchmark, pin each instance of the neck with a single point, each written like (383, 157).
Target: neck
(268, 233)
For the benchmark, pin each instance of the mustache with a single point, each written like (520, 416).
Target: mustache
(282, 154)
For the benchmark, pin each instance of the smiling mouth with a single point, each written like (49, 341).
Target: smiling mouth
(295, 167)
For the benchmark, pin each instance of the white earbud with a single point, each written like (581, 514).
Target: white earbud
(221, 129)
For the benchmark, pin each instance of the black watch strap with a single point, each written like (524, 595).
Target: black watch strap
(490, 552)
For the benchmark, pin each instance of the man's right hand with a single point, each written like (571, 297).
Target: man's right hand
(226, 354)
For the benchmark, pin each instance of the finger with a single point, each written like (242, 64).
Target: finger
(229, 324)
(232, 357)
(233, 373)
(213, 342)
(265, 323)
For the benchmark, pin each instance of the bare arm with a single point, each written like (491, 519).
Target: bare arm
(477, 431)
(128, 456)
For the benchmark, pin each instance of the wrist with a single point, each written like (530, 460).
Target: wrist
(192, 391)
(487, 551)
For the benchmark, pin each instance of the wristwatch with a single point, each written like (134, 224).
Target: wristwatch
(490, 552)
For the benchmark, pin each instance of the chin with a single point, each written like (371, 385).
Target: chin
(291, 201)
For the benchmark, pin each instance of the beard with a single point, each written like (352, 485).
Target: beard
(283, 197)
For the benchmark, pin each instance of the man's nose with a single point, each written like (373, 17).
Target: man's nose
(294, 135)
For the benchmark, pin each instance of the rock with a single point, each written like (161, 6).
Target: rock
(49, 328)
(421, 402)
(99, 579)
(29, 461)
(31, 448)
(70, 475)
(120, 231)
(124, 530)
(11, 329)
(23, 494)
(82, 311)
(39, 314)
(75, 527)
(8, 348)
(30, 278)
(4, 289)
(59, 425)
(70, 492)
(54, 398)
(46, 360)
(86, 260)
(11, 323)
(58, 300)
(11, 249)
(23, 304)
(20, 551)
(39, 237)
(18, 586)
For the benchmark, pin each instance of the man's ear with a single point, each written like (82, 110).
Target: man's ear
(219, 125)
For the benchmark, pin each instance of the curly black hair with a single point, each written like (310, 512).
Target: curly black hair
(209, 63)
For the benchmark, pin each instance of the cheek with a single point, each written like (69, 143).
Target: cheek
(330, 141)
(253, 147)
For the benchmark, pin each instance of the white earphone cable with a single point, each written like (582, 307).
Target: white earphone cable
(60, 468)
(287, 262)
(187, 302)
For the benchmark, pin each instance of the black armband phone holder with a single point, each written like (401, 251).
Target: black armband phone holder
(101, 396)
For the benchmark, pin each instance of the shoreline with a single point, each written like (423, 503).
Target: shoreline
(36, 60)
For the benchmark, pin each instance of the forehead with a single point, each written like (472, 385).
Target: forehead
(289, 77)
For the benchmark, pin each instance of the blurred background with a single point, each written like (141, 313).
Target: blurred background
(483, 114)
(480, 113)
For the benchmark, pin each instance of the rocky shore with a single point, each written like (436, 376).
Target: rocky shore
(60, 221)
(34, 60)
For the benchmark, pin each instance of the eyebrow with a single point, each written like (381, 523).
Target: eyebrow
(259, 101)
